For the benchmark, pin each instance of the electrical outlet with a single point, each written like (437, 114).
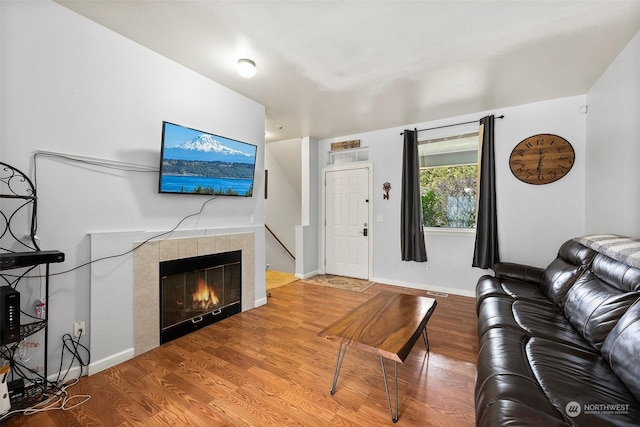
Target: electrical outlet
(77, 327)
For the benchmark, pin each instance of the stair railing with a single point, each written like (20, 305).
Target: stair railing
(280, 242)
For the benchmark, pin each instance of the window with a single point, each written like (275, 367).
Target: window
(448, 180)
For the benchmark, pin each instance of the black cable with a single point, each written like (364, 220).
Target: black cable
(123, 253)
(66, 338)
(18, 368)
(134, 248)
(93, 162)
(126, 167)
(109, 256)
(50, 388)
(8, 352)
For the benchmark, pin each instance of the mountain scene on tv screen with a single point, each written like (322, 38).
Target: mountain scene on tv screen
(206, 164)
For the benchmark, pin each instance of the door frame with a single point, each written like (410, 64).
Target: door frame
(323, 207)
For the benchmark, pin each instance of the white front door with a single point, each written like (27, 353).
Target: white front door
(347, 217)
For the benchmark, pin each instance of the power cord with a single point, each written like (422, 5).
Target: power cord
(126, 252)
(93, 161)
(57, 396)
(140, 244)
(73, 347)
(60, 399)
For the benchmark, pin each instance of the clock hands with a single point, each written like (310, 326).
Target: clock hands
(539, 168)
(540, 161)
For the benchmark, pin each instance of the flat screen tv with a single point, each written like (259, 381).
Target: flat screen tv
(196, 162)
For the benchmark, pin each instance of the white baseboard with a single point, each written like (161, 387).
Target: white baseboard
(74, 372)
(261, 301)
(110, 361)
(454, 291)
(307, 275)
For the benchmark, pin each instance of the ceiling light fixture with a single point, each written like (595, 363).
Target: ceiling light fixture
(246, 68)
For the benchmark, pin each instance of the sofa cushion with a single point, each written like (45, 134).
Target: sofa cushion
(504, 373)
(576, 253)
(532, 283)
(598, 299)
(489, 286)
(616, 274)
(621, 349)
(594, 307)
(558, 278)
(518, 272)
(561, 274)
(542, 322)
(570, 376)
(530, 318)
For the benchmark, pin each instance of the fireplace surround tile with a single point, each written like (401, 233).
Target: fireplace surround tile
(146, 302)
(188, 247)
(206, 245)
(147, 335)
(169, 249)
(223, 243)
(146, 253)
(146, 277)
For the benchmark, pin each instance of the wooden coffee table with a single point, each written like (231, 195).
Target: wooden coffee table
(388, 325)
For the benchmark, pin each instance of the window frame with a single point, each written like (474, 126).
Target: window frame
(452, 133)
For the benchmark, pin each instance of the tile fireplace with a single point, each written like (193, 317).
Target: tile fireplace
(125, 292)
(198, 291)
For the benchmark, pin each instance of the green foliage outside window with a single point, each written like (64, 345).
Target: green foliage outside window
(449, 196)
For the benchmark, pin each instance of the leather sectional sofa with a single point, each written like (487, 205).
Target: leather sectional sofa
(561, 346)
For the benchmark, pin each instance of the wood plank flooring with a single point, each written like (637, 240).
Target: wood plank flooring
(268, 367)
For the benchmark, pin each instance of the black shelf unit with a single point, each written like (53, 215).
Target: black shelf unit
(20, 255)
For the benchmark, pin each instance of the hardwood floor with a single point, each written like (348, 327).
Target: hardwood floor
(268, 367)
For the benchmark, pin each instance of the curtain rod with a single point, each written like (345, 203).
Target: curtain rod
(455, 124)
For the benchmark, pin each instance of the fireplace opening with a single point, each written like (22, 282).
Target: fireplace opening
(197, 292)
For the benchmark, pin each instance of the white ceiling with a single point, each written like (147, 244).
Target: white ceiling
(334, 68)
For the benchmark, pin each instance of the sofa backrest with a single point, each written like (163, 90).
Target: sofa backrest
(572, 260)
(622, 349)
(600, 297)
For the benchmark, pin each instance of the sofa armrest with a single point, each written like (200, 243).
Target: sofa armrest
(526, 273)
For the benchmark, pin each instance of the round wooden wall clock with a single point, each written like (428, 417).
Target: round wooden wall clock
(541, 159)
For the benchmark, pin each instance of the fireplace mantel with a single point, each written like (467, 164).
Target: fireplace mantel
(124, 291)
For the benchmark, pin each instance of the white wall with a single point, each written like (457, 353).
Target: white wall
(533, 220)
(276, 258)
(283, 204)
(307, 234)
(613, 147)
(72, 86)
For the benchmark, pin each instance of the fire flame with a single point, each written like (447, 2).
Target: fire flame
(204, 297)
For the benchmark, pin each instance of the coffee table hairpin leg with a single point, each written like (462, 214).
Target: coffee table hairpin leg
(425, 336)
(394, 418)
(336, 373)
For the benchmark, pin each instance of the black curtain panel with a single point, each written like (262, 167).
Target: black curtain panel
(411, 232)
(486, 252)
